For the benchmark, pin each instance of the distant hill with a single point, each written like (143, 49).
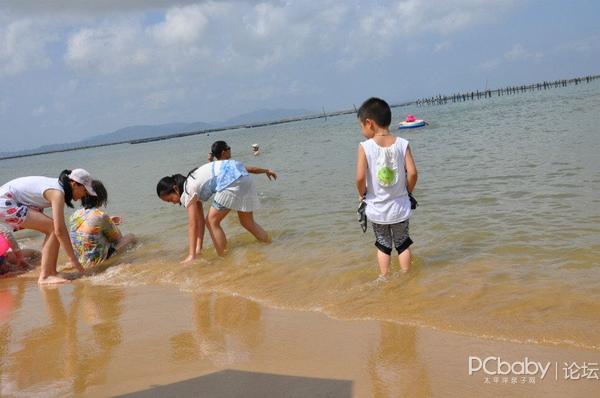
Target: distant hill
(142, 132)
(264, 115)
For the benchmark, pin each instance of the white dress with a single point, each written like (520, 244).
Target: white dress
(227, 180)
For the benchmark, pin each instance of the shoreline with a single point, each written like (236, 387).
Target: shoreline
(101, 340)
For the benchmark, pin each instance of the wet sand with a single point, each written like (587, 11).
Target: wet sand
(92, 340)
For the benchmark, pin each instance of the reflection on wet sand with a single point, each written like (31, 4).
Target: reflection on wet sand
(395, 368)
(98, 341)
(66, 346)
(11, 300)
(227, 330)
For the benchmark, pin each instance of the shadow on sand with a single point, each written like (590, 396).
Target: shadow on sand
(236, 383)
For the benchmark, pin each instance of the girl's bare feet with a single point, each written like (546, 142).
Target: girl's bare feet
(52, 280)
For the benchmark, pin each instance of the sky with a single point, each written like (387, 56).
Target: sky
(72, 69)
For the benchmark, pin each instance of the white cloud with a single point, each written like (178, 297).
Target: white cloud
(383, 27)
(162, 98)
(88, 8)
(108, 49)
(218, 37)
(518, 52)
(182, 25)
(490, 64)
(583, 45)
(210, 37)
(22, 46)
(442, 47)
(39, 111)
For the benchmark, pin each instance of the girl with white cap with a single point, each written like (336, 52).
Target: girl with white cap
(22, 201)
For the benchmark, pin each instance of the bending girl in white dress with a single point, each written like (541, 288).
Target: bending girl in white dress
(232, 187)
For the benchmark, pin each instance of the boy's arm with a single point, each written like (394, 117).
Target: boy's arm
(361, 173)
(257, 170)
(411, 170)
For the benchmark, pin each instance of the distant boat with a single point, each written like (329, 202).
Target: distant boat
(412, 125)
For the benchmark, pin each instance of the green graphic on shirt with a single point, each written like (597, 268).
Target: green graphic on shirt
(386, 176)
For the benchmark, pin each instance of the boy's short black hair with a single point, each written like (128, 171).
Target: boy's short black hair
(377, 110)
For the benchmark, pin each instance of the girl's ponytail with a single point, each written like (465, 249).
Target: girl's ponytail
(64, 181)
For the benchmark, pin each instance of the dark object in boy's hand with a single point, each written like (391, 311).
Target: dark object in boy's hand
(413, 201)
(362, 217)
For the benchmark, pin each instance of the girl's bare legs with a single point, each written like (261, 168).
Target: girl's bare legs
(40, 222)
(404, 259)
(218, 235)
(201, 229)
(384, 263)
(247, 221)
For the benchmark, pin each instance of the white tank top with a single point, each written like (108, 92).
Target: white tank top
(30, 190)
(387, 197)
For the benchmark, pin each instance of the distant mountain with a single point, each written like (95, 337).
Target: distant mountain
(264, 115)
(142, 132)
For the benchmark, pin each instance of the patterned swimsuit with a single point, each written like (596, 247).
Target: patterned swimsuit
(93, 235)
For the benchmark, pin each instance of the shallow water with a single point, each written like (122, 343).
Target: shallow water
(506, 235)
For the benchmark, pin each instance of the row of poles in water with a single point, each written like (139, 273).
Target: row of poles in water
(510, 90)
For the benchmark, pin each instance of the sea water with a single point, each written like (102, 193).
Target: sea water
(507, 236)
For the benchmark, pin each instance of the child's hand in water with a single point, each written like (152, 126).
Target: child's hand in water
(23, 264)
(188, 259)
(21, 261)
(117, 220)
(271, 175)
(77, 265)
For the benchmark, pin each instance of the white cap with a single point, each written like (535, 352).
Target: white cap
(254, 145)
(84, 178)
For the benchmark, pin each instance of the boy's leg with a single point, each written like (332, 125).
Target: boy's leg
(383, 260)
(383, 242)
(402, 243)
(404, 258)
(218, 235)
(247, 221)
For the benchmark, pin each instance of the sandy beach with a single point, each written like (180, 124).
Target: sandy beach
(142, 267)
(93, 340)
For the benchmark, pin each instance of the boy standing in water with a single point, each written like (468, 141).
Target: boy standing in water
(385, 174)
